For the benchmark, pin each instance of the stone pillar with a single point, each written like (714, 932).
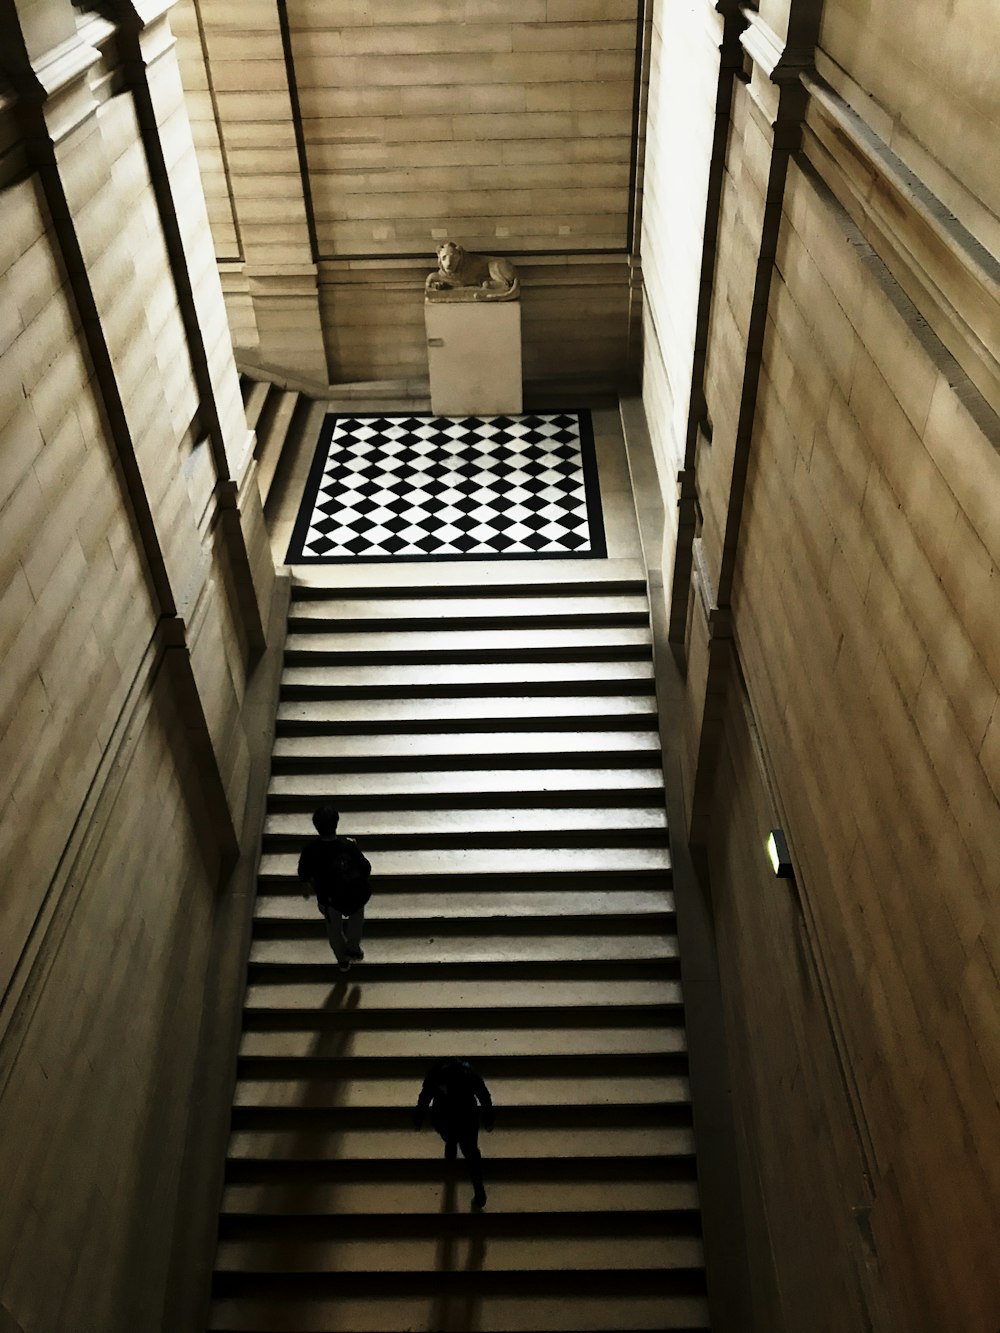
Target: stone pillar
(256, 120)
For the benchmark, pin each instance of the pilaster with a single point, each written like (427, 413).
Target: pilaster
(59, 95)
(271, 202)
(773, 65)
(150, 65)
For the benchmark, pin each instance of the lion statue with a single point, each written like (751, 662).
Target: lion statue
(462, 276)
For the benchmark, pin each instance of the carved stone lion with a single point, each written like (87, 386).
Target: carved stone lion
(462, 276)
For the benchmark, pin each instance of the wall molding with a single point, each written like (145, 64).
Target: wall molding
(951, 278)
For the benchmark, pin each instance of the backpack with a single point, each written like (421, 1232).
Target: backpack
(346, 884)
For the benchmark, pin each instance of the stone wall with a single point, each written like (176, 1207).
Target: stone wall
(341, 142)
(863, 612)
(835, 610)
(137, 582)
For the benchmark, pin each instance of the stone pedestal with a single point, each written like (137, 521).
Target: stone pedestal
(474, 354)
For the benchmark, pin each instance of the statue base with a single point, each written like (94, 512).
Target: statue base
(474, 355)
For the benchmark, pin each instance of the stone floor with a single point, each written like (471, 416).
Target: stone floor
(616, 493)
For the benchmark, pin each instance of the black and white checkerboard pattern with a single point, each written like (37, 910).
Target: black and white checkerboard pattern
(420, 486)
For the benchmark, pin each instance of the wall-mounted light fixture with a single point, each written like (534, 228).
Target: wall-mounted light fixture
(777, 850)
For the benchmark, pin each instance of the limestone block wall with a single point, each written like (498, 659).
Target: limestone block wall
(97, 1072)
(354, 138)
(78, 609)
(136, 584)
(802, 1178)
(864, 620)
(496, 122)
(835, 614)
(374, 316)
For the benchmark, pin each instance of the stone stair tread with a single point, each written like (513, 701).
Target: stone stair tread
(461, 744)
(361, 823)
(541, 1090)
(256, 397)
(468, 948)
(382, 1145)
(379, 678)
(446, 713)
(448, 861)
(446, 995)
(510, 1313)
(461, 782)
(451, 643)
(388, 1044)
(485, 606)
(276, 433)
(330, 1198)
(501, 904)
(459, 574)
(495, 1253)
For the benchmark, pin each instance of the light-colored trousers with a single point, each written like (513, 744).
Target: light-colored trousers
(344, 932)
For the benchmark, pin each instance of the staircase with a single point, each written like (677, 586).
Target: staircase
(279, 418)
(494, 750)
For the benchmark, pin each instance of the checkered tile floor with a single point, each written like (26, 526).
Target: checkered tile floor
(428, 487)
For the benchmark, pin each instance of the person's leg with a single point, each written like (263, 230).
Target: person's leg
(469, 1143)
(448, 1130)
(335, 934)
(353, 926)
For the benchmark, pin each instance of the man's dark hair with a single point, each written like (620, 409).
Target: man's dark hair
(325, 821)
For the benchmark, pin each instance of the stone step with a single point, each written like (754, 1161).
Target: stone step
(331, 1122)
(509, 1312)
(292, 1174)
(369, 824)
(638, 784)
(467, 948)
(389, 1145)
(447, 864)
(449, 1002)
(436, 1253)
(281, 429)
(485, 610)
(333, 1060)
(552, 1042)
(503, 749)
(544, 645)
(459, 576)
(482, 679)
(255, 394)
(541, 1089)
(501, 905)
(416, 715)
(364, 1197)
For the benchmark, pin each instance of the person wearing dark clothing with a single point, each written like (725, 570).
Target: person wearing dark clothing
(457, 1099)
(337, 872)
